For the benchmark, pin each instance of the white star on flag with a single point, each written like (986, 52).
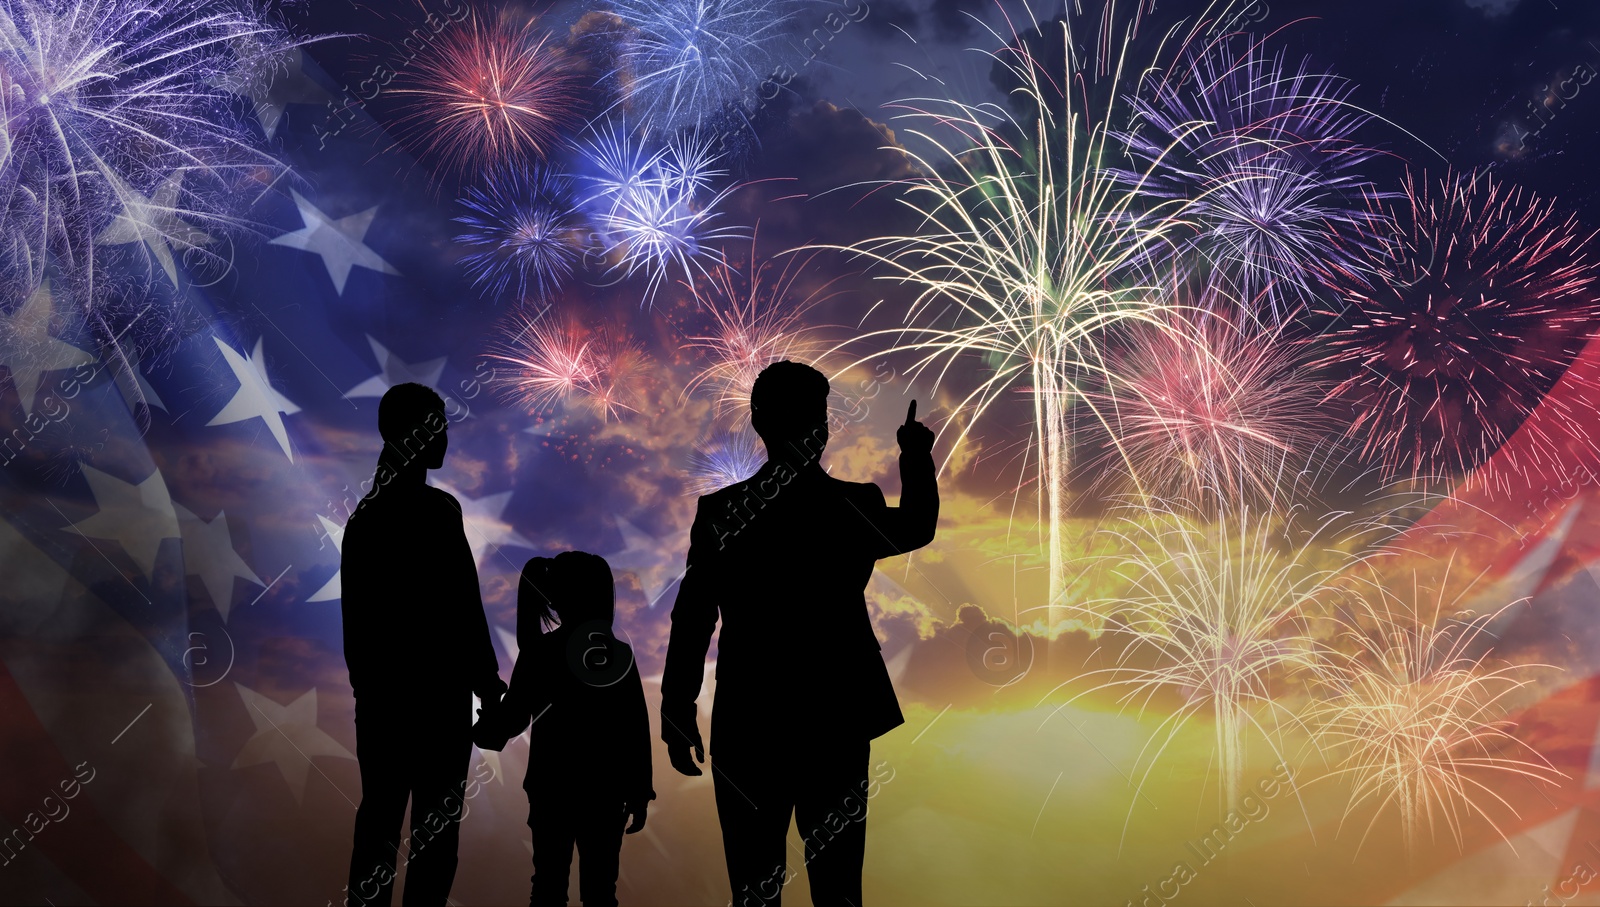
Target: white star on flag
(393, 370)
(332, 589)
(139, 516)
(287, 736)
(341, 242)
(508, 640)
(209, 554)
(28, 349)
(272, 81)
(255, 397)
(154, 221)
(485, 525)
(657, 563)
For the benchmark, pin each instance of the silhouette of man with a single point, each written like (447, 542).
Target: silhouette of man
(417, 646)
(784, 558)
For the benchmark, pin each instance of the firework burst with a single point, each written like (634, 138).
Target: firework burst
(1021, 263)
(622, 371)
(1219, 613)
(549, 362)
(487, 94)
(1417, 719)
(722, 461)
(521, 227)
(646, 207)
(699, 63)
(1451, 328)
(1267, 158)
(757, 317)
(114, 124)
(1201, 410)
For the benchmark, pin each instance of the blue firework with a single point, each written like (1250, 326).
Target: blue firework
(1268, 158)
(724, 460)
(522, 228)
(652, 210)
(693, 63)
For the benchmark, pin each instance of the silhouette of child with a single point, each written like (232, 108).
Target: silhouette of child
(589, 748)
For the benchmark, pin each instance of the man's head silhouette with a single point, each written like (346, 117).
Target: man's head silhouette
(412, 422)
(789, 410)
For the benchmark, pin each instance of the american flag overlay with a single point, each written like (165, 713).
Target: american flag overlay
(1261, 340)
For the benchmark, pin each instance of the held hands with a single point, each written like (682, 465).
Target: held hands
(914, 437)
(488, 732)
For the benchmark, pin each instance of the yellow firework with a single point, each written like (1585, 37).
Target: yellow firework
(1216, 620)
(1028, 249)
(1416, 715)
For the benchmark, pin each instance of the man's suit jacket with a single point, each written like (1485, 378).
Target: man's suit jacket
(784, 559)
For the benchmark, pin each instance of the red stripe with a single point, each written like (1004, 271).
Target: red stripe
(84, 846)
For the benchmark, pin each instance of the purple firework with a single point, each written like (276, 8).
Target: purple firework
(1267, 159)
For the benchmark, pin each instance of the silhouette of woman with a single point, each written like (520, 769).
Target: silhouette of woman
(589, 750)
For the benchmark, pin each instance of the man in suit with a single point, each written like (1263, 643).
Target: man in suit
(784, 559)
(417, 646)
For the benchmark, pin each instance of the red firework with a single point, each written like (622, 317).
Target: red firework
(757, 319)
(1201, 411)
(482, 94)
(542, 361)
(1450, 327)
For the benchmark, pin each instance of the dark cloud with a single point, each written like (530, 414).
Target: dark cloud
(825, 174)
(956, 19)
(977, 661)
(886, 16)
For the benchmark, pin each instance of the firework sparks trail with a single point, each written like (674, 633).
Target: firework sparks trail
(1205, 411)
(758, 318)
(1220, 613)
(522, 228)
(1022, 264)
(549, 362)
(699, 64)
(648, 207)
(1416, 718)
(117, 130)
(723, 460)
(1268, 158)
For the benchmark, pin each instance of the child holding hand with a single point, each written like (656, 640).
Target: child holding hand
(589, 750)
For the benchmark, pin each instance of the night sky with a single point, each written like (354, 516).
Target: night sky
(1016, 779)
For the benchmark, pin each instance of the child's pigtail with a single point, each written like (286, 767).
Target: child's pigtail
(535, 606)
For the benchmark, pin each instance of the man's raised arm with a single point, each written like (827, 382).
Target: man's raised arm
(911, 525)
